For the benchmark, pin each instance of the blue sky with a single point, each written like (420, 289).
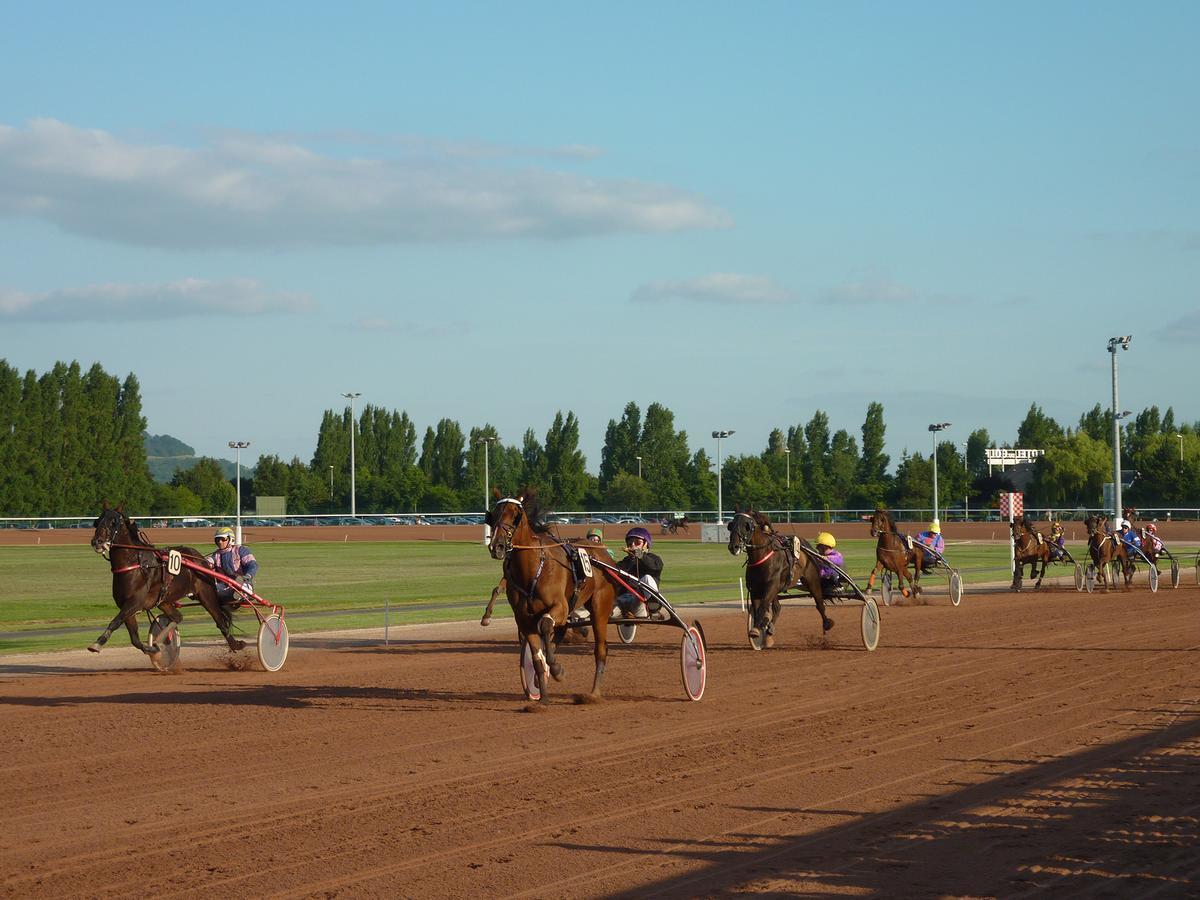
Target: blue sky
(492, 212)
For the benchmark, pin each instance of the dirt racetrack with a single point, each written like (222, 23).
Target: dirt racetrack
(1019, 744)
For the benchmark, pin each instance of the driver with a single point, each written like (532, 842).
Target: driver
(932, 539)
(233, 560)
(830, 578)
(1058, 540)
(1128, 535)
(645, 567)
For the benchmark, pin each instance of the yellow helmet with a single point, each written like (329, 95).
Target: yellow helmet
(935, 526)
(827, 539)
(224, 533)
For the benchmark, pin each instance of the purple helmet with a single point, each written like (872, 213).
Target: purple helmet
(639, 532)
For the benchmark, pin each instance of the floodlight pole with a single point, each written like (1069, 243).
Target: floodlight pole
(1113, 344)
(719, 435)
(486, 441)
(787, 455)
(967, 488)
(934, 429)
(351, 397)
(239, 446)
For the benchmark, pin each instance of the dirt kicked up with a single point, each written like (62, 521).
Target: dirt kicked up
(1019, 744)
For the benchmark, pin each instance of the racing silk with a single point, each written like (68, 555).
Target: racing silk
(234, 561)
(1130, 537)
(931, 539)
(837, 559)
(650, 564)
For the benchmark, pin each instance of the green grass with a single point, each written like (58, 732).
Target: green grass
(59, 588)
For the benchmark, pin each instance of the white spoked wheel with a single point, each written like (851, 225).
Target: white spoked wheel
(756, 643)
(1174, 574)
(956, 587)
(164, 634)
(626, 631)
(1079, 578)
(1089, 577)
(1115, 575)
(870, 624)
(528, 675)
(693, 665)
(1153, 572)
(885, 588)
(273, 642)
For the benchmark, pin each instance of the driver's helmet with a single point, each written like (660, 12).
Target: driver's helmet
(596, 534)
(935, 526)
(1152, 528)
(639, 532)
(1122, 524)
(825, 539)
(224, 533)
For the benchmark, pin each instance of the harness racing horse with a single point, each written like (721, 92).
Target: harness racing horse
(895, 552)
(1106, 549)
(142, 580)
(772, 566)
(544, 585)
(1028, 550)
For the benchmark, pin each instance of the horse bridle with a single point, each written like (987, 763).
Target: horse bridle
(745, 544)
(115, 527)
(506, 530)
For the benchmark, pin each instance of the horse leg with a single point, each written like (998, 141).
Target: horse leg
(487, 613)
(546, 629)
(1041, 574)
(541, 670)
(207, 595)
(128, 615)
(601, 612)
(775, 608)
(875, 571)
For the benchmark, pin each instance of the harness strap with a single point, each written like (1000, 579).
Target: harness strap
(751, 565)
(125, 569)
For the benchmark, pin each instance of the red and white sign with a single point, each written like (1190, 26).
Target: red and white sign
(1012, 506)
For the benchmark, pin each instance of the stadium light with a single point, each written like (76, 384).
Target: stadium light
(719, 435)
(351, 397)
(239, 446)
(487, 441)
(787, 455)
(934, 429)
(1113, 344)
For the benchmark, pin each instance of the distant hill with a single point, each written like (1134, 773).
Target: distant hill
(166, 455)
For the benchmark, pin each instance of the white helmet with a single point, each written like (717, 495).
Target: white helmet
(1119, 523)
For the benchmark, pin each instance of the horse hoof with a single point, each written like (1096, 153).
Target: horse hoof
(485, 621)
(903, 593)
(770, 641)
(827, 624)
(238, 645)
(557, 671)
(94, 648)
(151, 650)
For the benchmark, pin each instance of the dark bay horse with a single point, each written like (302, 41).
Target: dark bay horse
(141, 580)
(1106, 549)
(544, 583)
(896, 553)
(1029, 549)
(771, 568)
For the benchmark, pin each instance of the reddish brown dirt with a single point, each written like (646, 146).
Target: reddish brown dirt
(1018, 744)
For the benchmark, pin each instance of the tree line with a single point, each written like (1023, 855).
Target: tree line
(69, 440)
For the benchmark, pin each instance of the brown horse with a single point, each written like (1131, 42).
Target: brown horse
(1107, 549)
(1029, 549)
(544, 584)
(896, 553)
(142, 580)
(772, 566)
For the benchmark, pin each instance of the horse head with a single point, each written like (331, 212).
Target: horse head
(742, 526)
(108, 525)
(881, 523)
(504, 518)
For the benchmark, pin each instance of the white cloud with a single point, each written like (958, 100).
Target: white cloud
(1184, 329)
(245, 190)
(723, 287)
(150, 302)
(873, 290)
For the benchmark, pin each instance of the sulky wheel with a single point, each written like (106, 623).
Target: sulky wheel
(164, 634)
(1089, 577)
(885, 588)
(1174, 574)
(693, 666)
(1079, 578)
(1153, 573)
(956, 587)
(528, 676)
(870, 624)
(756, 643)
(273, 642)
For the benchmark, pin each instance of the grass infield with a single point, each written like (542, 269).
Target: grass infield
(60, 597)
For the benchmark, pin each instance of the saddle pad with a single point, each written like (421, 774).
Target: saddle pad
(585, 562)
(796, 549)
